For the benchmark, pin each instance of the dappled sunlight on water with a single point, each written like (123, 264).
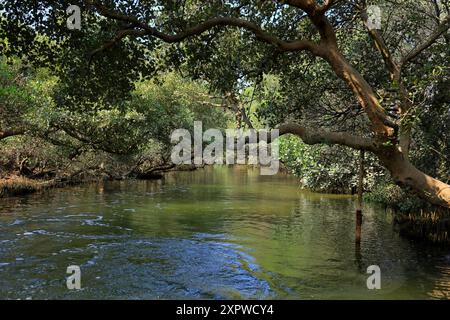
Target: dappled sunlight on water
(216, 233)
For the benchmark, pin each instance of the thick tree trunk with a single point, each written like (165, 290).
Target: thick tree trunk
(406, 175)
(382, 126)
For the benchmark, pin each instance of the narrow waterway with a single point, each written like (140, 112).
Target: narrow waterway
(219, 233)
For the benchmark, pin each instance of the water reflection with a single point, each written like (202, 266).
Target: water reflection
(213, 233)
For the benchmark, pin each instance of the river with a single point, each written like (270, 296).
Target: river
(214, 233)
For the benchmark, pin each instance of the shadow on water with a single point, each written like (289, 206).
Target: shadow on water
(219, 233)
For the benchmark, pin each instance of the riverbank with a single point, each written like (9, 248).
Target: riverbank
(429, 225)
(16, 185)
(412, 217)
(218, 232)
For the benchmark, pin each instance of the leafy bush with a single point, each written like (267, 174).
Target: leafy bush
(394, 197)
(325, 168)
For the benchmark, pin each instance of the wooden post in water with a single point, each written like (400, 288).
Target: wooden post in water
(360, 195)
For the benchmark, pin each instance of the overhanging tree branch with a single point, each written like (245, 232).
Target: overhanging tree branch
(327, 49)
(317, 136)
(395, 73)
(440, 30)
(313, 136)
(141, 29)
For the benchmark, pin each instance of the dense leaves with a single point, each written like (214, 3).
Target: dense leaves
(116, 95)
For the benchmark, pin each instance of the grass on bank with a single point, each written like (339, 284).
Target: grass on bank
(15, 186)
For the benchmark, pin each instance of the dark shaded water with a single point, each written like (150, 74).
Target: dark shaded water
(213, 233)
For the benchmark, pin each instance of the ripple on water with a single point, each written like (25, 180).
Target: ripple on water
(179, 268)
(213, 233)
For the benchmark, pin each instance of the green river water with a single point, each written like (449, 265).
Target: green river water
(214, 233)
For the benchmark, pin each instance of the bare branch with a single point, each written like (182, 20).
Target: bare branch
(440, 30)
(313, 136)
(327, 49)
(119, 36)
(316, 136)
(143, 29)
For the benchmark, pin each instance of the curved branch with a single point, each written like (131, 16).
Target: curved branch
(327, 49)
(117, 38)
(394, 69)
(143, 29)
(313, 136)
(441, 29)
(317, 136)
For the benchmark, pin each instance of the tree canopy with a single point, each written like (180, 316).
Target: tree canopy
(340, 82)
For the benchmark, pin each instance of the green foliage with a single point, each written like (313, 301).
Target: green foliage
(113, 101)
(15, 95)
(327, 168)
(171, 102)
(58, 140)
(394, 197)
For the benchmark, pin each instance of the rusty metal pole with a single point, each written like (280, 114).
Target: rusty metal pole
(360, 195)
